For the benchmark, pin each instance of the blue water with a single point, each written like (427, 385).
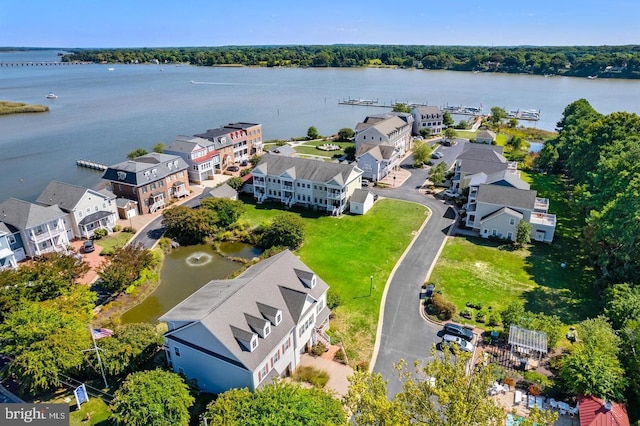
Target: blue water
(102, 115)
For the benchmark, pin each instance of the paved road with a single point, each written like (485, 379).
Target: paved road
(405, 334)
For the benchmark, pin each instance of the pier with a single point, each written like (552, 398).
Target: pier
(91, 165)
(41, 64)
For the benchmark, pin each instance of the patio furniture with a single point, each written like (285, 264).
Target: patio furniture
(539, 402)
(563, 406)
(573, 411)
(505, 388)
(531, 401)
(517, 398)
(553, 403)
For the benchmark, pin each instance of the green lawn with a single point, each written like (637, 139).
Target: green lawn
(115, 240)
(345, 251)
(97, 409)
(492, 274)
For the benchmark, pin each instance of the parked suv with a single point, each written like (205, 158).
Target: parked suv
(88, 246)
(449, 341)
(459, 331)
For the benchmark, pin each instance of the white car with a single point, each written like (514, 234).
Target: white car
(450, 193)
(437, 155)
(463, 345)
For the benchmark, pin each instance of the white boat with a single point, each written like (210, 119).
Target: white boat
(52, 95)
(110, 69)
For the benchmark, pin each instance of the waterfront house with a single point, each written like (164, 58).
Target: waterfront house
(151, 180)
(126, 208)
(392, 129)
(41, 229)
(485, 136)
(235, 142)
(361, 201)
(479, 158)
(427, 117)
(245, 331)
(199, 154)
(86, 209)
(7, 256)
(309, 183)
(221, 191)
(496, 210)
(376, 161)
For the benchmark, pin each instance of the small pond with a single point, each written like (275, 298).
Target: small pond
(185, 270)
(535, 146)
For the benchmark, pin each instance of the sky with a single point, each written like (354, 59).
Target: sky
(172, 23)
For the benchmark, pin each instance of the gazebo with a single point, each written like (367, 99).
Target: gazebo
(525, 341)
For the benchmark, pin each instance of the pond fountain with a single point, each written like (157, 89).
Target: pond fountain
(185, 270)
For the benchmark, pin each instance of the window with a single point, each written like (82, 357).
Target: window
(320, 306)
(278, 318)
(176, 350)
(12, 240)
(79, 213)
(267, 330)
(512, 221)
(96, 208)
(275, 358)
(263, 372)
(144, 189)
(254, 343)
(88, 209)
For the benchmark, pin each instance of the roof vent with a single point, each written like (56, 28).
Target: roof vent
(608, 406)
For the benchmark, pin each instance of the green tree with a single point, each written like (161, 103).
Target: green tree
(159, 148)
(438, 393)
(152, 398)
(274, 405)
(128, 349)
(345, 134)
(312, 133)
(513, 123)
(623, 304)
(138, 152)
(513, 314)
(630, 357)
(497, 115)
(236, 183)
(421, 153)
(400, 107)
(523, 233)
(285, 230)
(591, 366)
(438, 172)
(47, 338)
(447, 120)
(125, 267)
(516, 142)
(189, 225)
(450, 133)
(228, 211)
(254, 160)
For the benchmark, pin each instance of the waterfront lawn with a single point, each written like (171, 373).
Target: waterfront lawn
(493, 274)
(345, 251)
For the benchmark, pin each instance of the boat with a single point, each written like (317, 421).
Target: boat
(51, 95)
(110, 69)
(592, 77)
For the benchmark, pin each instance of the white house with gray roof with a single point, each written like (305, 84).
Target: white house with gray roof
(485, 136)
(7, 256)
(41, 229)
(245, 331)
(392, 128)
(87, 209)
(479, 158)
(496, 210)
(376, 161)
(427, 117)
(200, 155)
(310, 183)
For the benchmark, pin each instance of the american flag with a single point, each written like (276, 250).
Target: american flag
(99, 333)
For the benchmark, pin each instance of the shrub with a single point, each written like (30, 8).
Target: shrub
(362, 366)
(100, 233)
(317, 378)
(494, 319)
(333, 300)
(129, 229)
(340, 356)
(117, 228)
(466, 313)
(509, 381)
(318, 349)
(534, 390)
(538, 379)
(446, 309)
(481, 316)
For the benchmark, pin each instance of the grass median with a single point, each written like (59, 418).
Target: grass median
(345, 252)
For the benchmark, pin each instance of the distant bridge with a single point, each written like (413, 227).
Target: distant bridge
(41, 63)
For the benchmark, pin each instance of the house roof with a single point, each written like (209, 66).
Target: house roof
(503, 210)
(4, 229)
(67, 196)
(379, 152)
(482, 152)
(241, 125)
(188, 144)
(124, 202)
(94, 217)
(221, 191)
(428, 110)
(220, 309)
(486, 134)
(360, 195)
(594, 413)
(312, 170)
(24, 215)
(221, 136)
(383, 124)
(145, 169)
(506, 196)
(501, 178)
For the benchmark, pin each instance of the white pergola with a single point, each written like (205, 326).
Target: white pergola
(524, 340)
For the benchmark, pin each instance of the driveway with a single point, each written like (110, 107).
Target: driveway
(404, 333)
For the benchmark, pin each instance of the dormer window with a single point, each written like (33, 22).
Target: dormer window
(254, 344)
(267, 330)
(278, 318)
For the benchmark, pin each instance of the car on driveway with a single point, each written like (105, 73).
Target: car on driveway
(449, 193)
(233, 168)
(450, 341)
(453, 329)
(88, 246)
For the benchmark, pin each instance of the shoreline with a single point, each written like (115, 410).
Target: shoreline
(12, 108)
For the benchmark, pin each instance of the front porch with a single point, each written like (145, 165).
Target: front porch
(97, 220)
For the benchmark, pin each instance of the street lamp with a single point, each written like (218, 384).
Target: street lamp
(370, 284)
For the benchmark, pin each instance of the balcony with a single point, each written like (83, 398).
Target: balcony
(286, 186)
(37, 237)
(543, 219)
(336, 195)
(258, 181)
(541, 204)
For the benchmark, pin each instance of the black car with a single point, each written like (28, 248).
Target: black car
(233, 168)
(459, 331)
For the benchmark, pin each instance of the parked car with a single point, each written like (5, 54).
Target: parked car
(233, 168)
(365, 182)
(449, 193)
(88, 246)
(243, 163)
(437, 155)
(458, 330)
(428, 291)
(449, 341)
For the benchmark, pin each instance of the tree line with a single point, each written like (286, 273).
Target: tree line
(578, 61)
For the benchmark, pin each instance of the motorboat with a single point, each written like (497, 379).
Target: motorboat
(52, 95)
(110, 69)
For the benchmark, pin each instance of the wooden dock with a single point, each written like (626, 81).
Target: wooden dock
(91, 165)
(42, 63)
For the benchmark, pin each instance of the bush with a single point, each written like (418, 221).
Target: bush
(494, 319)
(466, 313)
(509, 381)
(317, 378)
(333, 300)
(446, 309)
(117, 228)
(100, 233)
(129, 229)
(537, 379)
(481, 316)
(362, 366)
(318, 349)
(340, 356)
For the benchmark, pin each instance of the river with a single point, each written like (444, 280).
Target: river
(102, 114)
